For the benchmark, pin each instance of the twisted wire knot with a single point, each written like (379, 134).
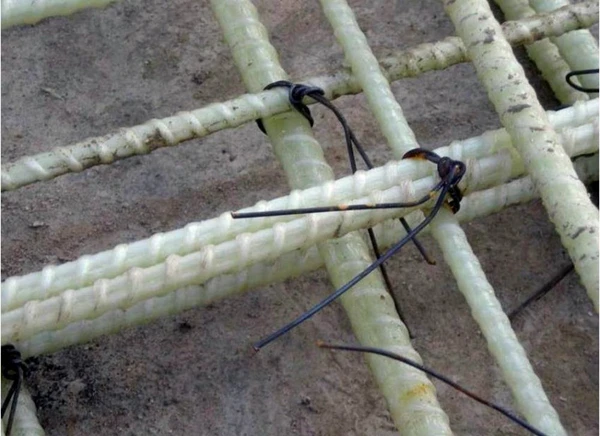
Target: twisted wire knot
(297, 92)
(12, 363)
(13, 368)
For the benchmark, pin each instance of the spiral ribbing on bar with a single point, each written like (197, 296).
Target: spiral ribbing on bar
(138, 284)
(169, 131)
(495, 326)
(418, 413)
(501, 166)
(485, 307)
(86, 270)
(564, 196)
(141, 139)
(473, 206)
(368, 73)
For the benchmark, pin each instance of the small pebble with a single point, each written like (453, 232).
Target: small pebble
(305, 401)
(76, 386)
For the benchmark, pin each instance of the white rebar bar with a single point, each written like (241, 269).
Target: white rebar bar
(138, 284)
(502, 341)
(381, 100)
(370, 77)
(545, 54)
(579, 48)
(518, 372)
(574, 216)
(292, 264)
(370, 309)
(52, 280)
(145, 138)
(25, 421)
(443, 220)
(15, 12)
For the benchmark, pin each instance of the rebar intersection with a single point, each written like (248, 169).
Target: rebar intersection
(378, 82)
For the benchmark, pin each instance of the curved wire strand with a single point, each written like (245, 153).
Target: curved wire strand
(339, 207)
(574, 85)
(389, 253)
(438, 376)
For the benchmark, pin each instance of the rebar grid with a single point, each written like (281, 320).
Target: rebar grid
(564, 196)
(157, 133)
(241, 279)
(85, 271)
(585, 55)
(545, 54)
(485, 307)
(292, 264)
(409, 393)
(33, 316)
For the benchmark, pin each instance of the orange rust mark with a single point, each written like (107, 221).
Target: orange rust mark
(343, 206)
(418, 391)
(415, 154)
(420, 156)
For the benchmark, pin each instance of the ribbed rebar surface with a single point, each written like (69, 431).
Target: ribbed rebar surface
(183, 126)
(409, 394)
(209, 260)
(564, 196)
(485, 307)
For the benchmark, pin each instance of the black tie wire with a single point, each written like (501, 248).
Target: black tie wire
(381, 352)
(297, 92)
(13, 368)
(569, 79)
(450, 172)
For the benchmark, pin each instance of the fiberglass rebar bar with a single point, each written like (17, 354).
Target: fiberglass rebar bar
(292, 264)
(25, 421)
(52, 280)
(369, 306)
(564, 196)
(545, 54)
(488, 313)
(371, 79)
(145, 138)
(138, 284)
(15, 12)
(579, 48)
(502, 341)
